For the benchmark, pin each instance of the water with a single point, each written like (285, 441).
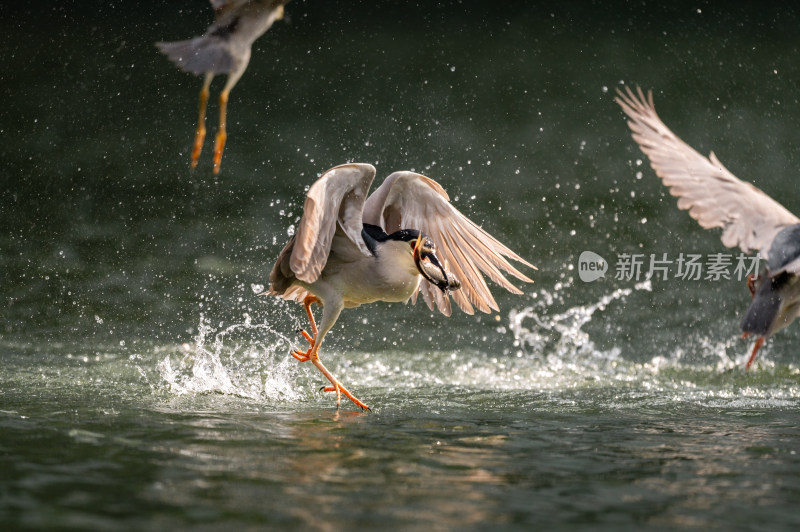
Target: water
(143, 383)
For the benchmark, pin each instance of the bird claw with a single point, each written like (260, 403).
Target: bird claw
(340, 389)
(311, 354)
(302, 356)
(307, 336)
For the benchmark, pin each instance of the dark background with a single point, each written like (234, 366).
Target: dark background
(508, 105)
(144, 386)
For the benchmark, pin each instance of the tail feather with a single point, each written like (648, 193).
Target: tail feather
(282, 277)
(199, 55)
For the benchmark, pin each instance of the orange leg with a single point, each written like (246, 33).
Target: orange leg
(222, 134)
(751, 284)
(312, 355)
(305, 356)
(200, 133)
(756, 347)
(336, 386)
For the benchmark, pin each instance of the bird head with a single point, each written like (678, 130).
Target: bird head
(429, 265)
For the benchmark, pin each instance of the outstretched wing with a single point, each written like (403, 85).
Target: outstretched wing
(407, 200)
(714, 197)
(336, 197)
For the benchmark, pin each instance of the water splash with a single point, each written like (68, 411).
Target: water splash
(561, 336)
(711, 374)
(246, 359)
(552, 352)
(540, 350)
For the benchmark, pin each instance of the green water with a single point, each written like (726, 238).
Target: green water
(144, 385)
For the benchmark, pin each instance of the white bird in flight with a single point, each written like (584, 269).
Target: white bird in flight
(223, 49)
(716, 198)
(350, 249)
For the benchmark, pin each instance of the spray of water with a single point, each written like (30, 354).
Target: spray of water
(251, 359)
(244, 359)
(544, 349)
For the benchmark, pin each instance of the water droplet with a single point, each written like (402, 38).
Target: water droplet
(257, 288)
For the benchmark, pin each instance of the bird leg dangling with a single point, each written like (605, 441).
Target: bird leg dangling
(222, 133)
(751, 284)
(756, 347)
(312, 355)
(200, 133)
(305, 356)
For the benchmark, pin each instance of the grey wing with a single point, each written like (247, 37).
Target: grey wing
(407, 200)
(713, 195)
(211, 52)
(337, 197)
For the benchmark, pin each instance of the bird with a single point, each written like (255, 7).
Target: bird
(223, 49)
(403, 239)
(749, 218)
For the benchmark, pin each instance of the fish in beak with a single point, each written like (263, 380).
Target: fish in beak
(430, 267)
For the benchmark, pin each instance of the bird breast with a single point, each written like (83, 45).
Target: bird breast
(390, 275)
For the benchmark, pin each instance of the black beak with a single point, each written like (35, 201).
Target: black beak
(432, 270)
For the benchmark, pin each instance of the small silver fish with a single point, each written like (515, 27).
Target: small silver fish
(445, 280)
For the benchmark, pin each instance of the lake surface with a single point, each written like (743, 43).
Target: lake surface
(144, 384)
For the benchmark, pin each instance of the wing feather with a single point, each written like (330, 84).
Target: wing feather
(336, 197)
(407, 200)
(478, 292)
(461, 296)
(491, 262)
(713, 196)
(465, 297)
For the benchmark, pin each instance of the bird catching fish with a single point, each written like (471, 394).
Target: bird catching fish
(403, 239)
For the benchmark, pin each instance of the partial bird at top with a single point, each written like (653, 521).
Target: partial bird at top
(223, 49)
(350, 249)
(716, 198)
